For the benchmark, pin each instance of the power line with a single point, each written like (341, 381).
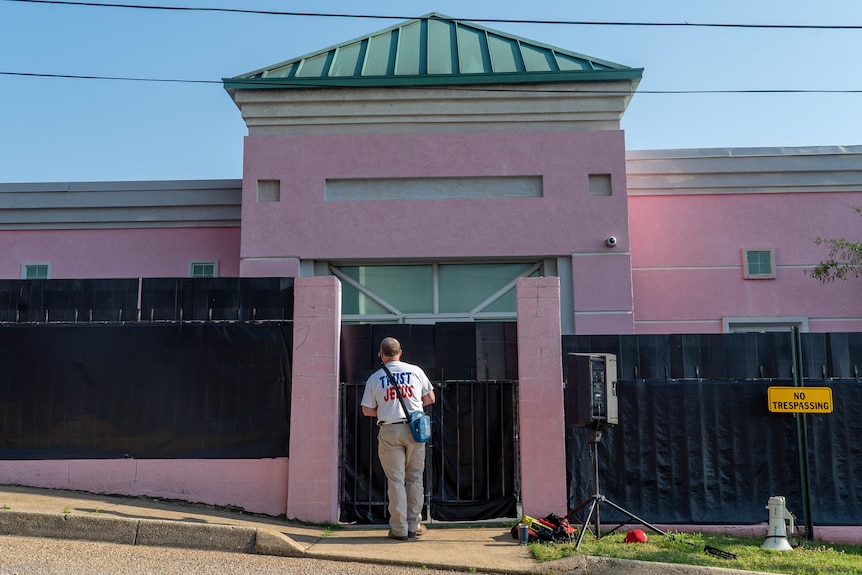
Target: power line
(483, 20)
(118, 78)
(475, 89)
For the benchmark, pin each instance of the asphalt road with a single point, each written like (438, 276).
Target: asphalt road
(36, 556)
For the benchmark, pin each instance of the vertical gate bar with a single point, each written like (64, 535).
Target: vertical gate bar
(456, 458)
(441, 452)
(472, 440)
(428, 482)
(428, 477)
(358, 498)
(371, 439)
(458, 445)
(487, 439)
(354, 429)
(342, 437)
(511, 431)
(516, 436)
(504, 433)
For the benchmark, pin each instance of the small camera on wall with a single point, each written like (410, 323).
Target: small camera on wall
(611, 242)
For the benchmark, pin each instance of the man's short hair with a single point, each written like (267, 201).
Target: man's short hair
(390, 347)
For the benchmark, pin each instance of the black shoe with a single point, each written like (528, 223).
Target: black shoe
(397, 537)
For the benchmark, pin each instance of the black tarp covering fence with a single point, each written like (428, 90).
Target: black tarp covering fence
(707, 451)
(724, 356)
(445, 351)
(68, 300)
(160, 299)
(143, 390)
(213, 299)
(471, 470)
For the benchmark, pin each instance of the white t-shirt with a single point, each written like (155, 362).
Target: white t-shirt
(379, 393)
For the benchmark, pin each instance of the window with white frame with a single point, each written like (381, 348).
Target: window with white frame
(758, 263)
(36, 271)
(203, 269)
(417, 293)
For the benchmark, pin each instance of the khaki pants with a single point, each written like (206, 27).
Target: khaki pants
(403, 462)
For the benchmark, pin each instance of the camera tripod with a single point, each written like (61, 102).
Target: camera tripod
(593, 502)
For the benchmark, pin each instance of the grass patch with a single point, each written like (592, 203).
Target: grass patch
(328, 527)
(809, 558)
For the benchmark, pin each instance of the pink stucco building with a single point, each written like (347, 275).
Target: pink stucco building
(694, 216)
(491, 178)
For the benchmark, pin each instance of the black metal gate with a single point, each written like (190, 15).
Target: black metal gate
(471, 467)
(471, 470)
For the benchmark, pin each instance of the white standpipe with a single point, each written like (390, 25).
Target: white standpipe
(776, 536)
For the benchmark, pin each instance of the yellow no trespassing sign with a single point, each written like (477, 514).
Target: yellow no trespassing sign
(800, 399)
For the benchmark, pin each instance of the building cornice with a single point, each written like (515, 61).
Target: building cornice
(582, 106)
(85, 205)
(812, 169)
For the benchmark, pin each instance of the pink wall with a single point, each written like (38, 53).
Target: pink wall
(256, 485)
(120, 253)
(304, 225)
(314, 400)
(541, 419)
(602, 292)
(687, 260)
(269, 268)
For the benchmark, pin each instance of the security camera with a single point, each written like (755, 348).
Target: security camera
(611, 242)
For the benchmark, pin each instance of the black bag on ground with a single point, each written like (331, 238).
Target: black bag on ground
(550, 528)
(562, 530)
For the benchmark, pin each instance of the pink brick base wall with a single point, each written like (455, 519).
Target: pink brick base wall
(256, 485)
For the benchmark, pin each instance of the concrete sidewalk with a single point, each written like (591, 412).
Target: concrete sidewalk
(57, 514)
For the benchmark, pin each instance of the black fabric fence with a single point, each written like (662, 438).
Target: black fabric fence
(708, 451)
(161, 299)
(724, 356)
(141, 390)
(68, 300)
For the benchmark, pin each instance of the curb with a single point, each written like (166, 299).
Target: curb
(149, 532)
(66, 526)
(251, 540)
(615, 566)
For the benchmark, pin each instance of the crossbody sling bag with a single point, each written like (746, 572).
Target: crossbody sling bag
(419, 421)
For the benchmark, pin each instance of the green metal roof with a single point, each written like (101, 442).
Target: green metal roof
(434, 50)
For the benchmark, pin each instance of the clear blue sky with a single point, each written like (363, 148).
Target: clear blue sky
(63, 129)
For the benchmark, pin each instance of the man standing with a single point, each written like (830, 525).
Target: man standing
(402, 458)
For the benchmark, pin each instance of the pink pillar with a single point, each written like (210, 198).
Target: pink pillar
(313, 471)
(540, 397)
